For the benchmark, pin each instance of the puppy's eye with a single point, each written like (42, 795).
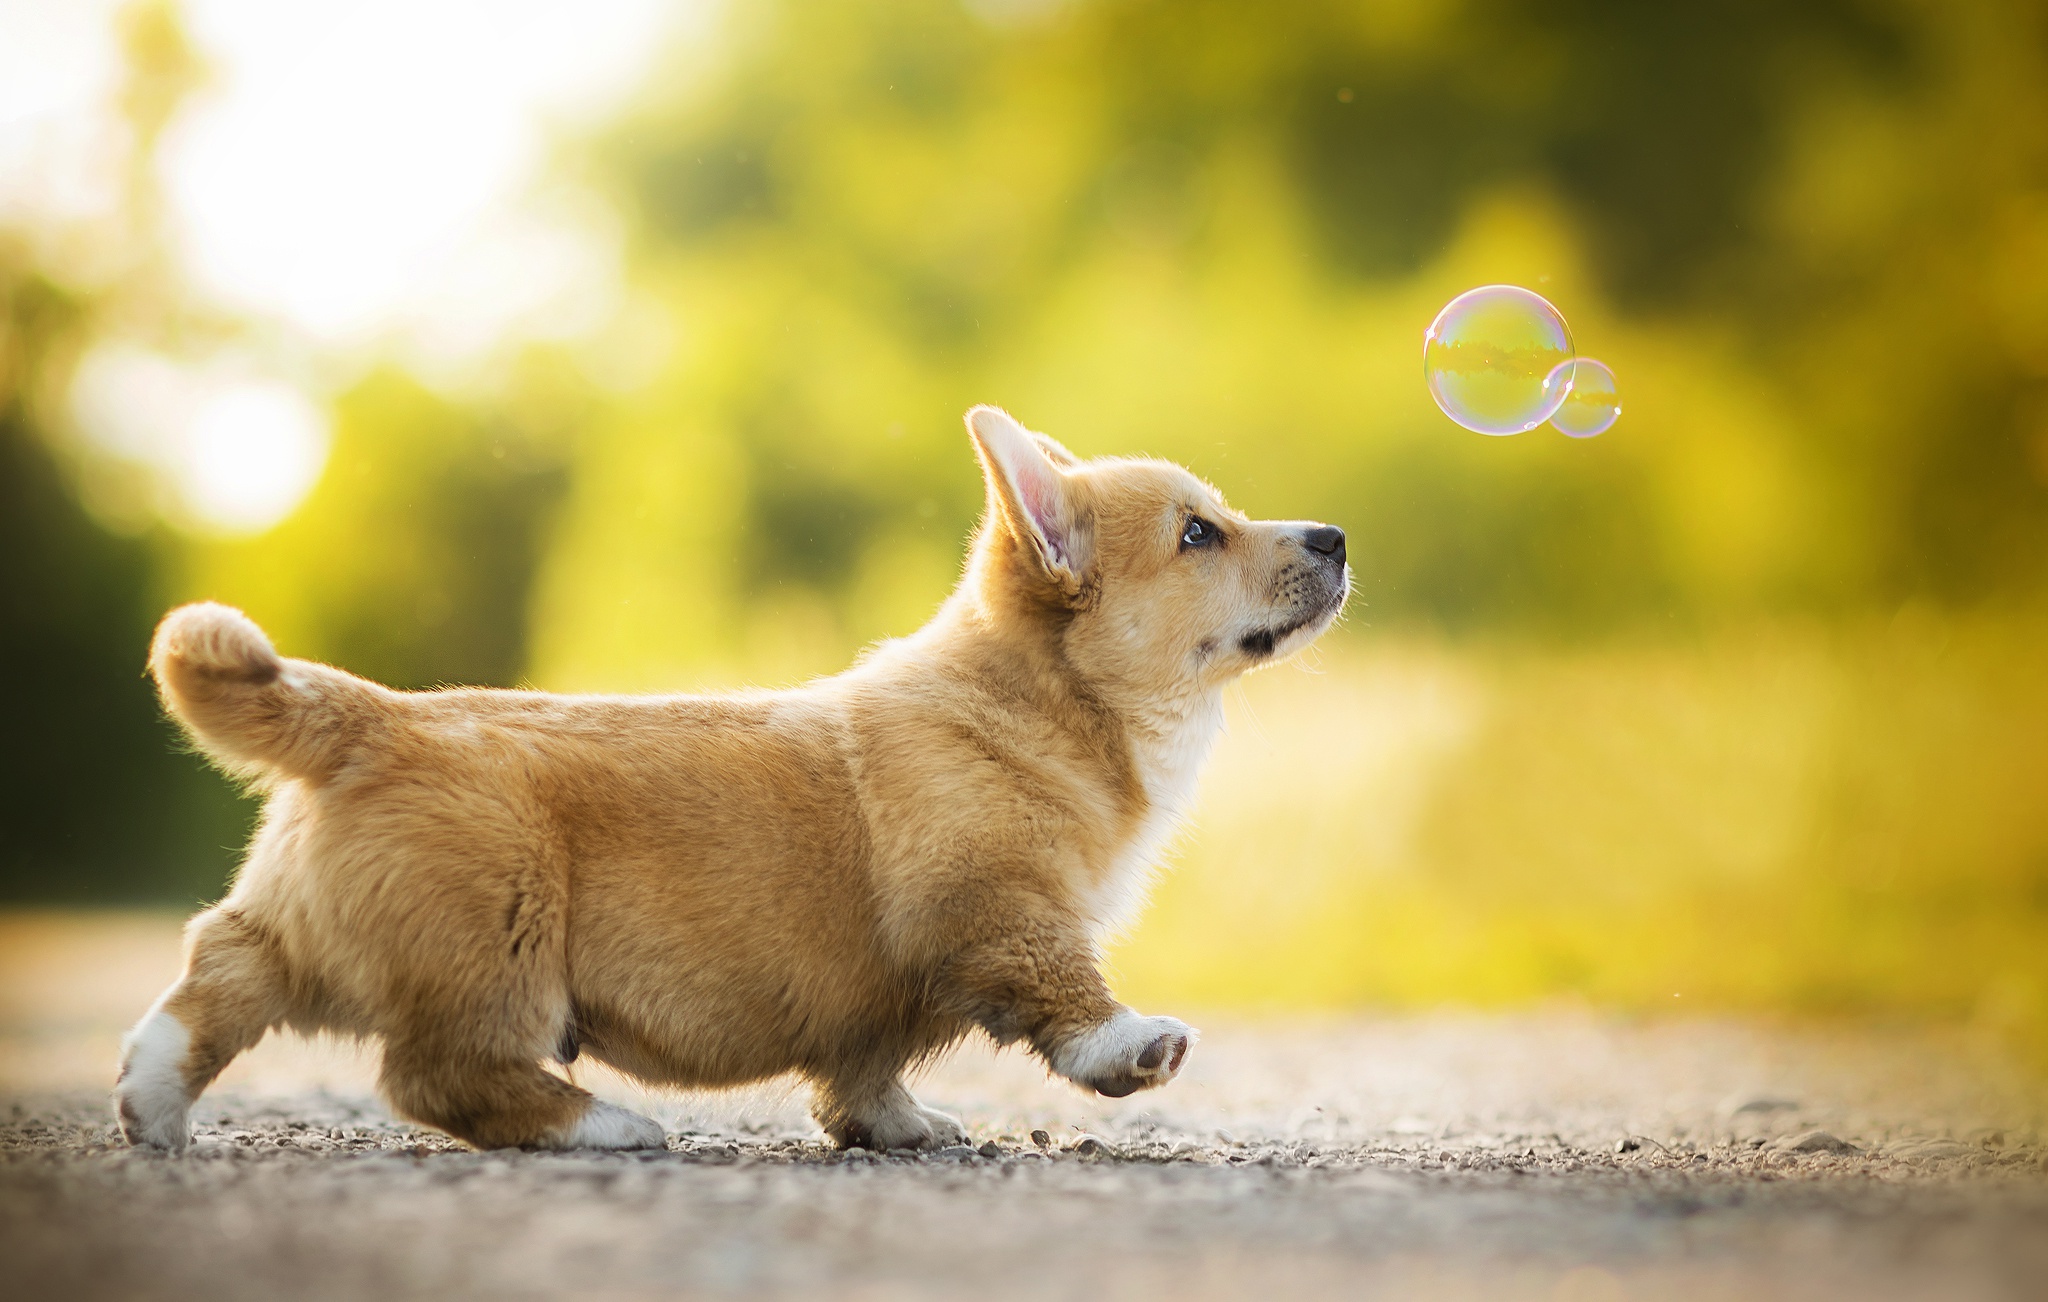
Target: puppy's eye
(1198, 533)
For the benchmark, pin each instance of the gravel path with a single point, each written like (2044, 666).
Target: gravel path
(1557, 1155)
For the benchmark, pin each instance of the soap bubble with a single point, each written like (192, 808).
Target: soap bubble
(1591, 405)
(1498, 359)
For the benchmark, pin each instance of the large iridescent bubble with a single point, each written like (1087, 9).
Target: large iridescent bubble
(1592, 405)
(1497, 359)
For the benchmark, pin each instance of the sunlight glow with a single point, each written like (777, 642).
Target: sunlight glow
(59, 147)
(360, 166)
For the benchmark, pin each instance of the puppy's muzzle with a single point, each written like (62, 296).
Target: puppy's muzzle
(1324, 546)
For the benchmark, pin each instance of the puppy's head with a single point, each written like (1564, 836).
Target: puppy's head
(1150, 579)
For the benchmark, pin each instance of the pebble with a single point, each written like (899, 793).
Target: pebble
(1090, 1146)
(1764, 1104)
(1041, 1138)
(1815, 1141)
(1931, 1150)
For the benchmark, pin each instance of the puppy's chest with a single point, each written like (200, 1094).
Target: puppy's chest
(1169, 758)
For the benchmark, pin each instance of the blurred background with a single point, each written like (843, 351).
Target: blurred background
(623, 345)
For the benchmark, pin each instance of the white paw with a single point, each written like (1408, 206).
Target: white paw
(943, 1127)
(901, 1122)
(150, 1097)
(1125, 1054)
(606, 1125)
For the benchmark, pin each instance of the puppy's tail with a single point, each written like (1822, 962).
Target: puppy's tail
(254, 713)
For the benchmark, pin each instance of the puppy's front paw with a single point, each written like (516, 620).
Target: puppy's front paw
(1125, 1054)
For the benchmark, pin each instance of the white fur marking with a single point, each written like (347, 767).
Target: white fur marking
(902, 1122)
(1110, 1050)
(607, 1125)
(1170, 750)
(150, 1098)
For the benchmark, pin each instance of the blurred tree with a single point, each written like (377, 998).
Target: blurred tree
(412, 561)
(96, 803)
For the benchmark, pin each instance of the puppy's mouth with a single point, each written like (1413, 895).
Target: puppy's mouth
(1275, 639)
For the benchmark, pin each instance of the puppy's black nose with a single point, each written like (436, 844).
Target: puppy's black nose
(1327, 539)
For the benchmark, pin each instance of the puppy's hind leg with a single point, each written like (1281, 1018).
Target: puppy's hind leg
(494, 1101)
(874, 1110)
(233, 990)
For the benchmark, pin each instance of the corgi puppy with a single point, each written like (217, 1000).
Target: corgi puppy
(839, 880)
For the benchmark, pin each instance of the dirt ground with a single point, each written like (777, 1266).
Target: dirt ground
(1561, 1155)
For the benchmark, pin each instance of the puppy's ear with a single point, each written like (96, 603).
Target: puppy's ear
(1028, 483)
(1055, 451)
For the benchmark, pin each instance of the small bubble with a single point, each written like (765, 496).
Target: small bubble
(1592, 405)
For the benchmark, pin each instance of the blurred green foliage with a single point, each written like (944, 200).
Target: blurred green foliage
(1811, 238)
(95, 803)
(412, 558)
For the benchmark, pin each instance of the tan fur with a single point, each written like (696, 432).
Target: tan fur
(835, 880)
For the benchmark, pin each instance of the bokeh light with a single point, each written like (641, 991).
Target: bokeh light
(220, 447)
